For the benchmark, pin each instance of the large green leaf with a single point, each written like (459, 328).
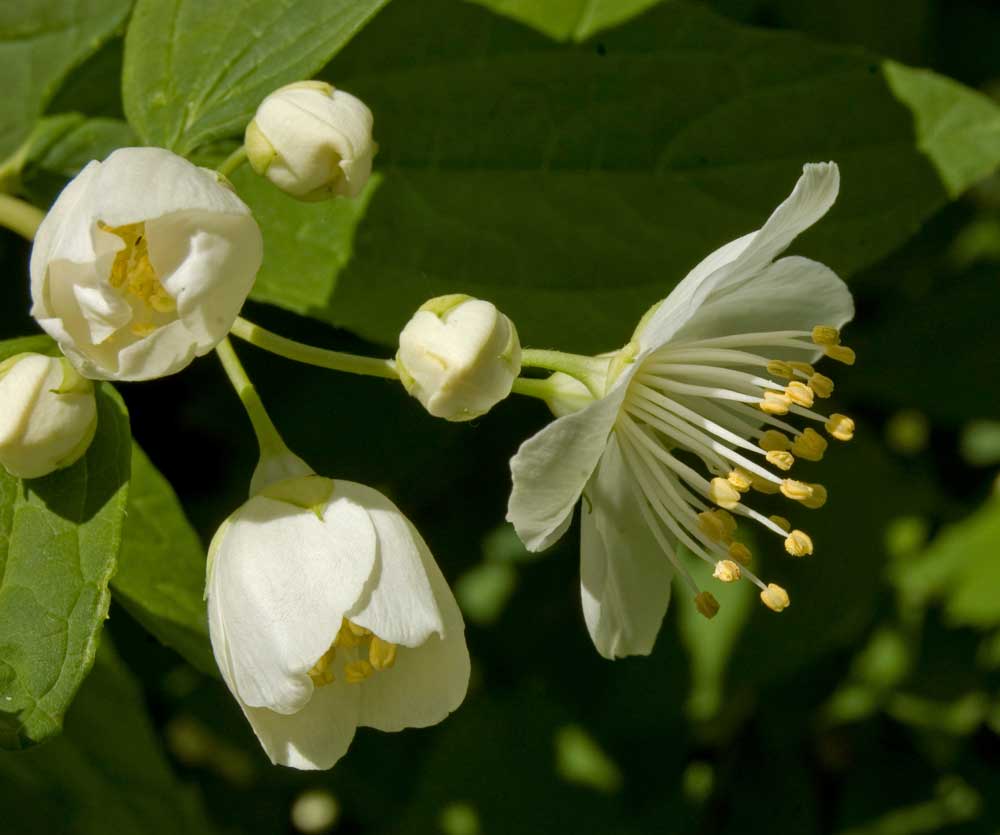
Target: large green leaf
(195, 70)
(575, 185)
(59, 539)
(40, 42)
(106, 773)
(161, 568)
(563, 19)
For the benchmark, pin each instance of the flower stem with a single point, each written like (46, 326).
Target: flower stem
(311, 355)
(20, 216)
(268, 438)
(233, 161)
(591, 371)
(530, 387)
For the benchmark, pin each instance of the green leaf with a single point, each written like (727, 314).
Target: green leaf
(575, 186)
(195, 70)
(565, 19)
(40, 43)
(59, 539)
(161, 568)
(106, 773)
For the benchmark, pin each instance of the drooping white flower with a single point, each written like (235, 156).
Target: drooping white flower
(328, 612)
(312, 141)
(142, 264)
(48, 415)
(700, 407)
(459, 356)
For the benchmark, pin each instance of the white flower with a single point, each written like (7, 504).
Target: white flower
(458, 356)
(327, 612)
(142, 264)
(49, 415)
(712, 380)
(312, 141)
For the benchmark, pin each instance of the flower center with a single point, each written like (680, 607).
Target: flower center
(731, 407)
(364, 654)
(133, 275)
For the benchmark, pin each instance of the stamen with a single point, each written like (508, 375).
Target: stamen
(817, 499)
(740, 479)
(357, 671)
(798, 544)
(381, 654)
(723, 493)
(810, 445)
(321, 674)
(821, 385)
(781, 460)
(840, 353)
(775, 597)
(803, 368)
(825, 335)
(712, 525)
(706, 604)
(840, 427)
(773, 440)
(727, 571)
(739, 552)
(782, 522)
(780, 368)
(346, 637)
(358, 631)
(799, 393)
(773, 403)
(797, 491)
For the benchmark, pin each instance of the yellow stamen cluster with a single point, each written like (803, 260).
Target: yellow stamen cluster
(799, 393)
(780, 459)
(780, 368)
(781, 522)
(739, 552)
(840, 427)
(775, 597)
(798, 544)
(727, 571)
(775, 403)
(134, 275)
(797, 491)
(723, 493)
(817, 499)
(740, 479)
(821, 385)
(774, 441)
(381, 655)
(810, 445)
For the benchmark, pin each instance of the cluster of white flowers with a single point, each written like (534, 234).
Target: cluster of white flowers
(327, 611)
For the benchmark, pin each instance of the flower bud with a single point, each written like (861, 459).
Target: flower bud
(312, 141)
(458, 356)
(49, 414)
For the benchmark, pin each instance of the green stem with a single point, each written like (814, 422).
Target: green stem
(20, 216)
(268, 438)
(591, 371)
(233, 161)
(529, 387)
(311, 355)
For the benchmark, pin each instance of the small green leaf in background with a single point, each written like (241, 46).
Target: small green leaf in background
(40, 43)
(195, 70)
(105, 774)
(161, 567)
(59, 539)
(569, 19)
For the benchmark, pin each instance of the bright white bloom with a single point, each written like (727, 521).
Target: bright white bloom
(142, 264)
(49, 415)
(715, 379)
(312, 141)
(327, 612)
(458, 356)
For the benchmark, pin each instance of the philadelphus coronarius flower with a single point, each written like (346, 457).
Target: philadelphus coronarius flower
(703, 405)
(142, 264)
(312, 141)
(458, 356)
(327, 612)
(49, 415)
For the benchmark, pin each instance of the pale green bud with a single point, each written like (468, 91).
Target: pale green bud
(48, 414)
(458, 356)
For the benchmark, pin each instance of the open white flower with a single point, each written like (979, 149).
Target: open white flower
(328, 612)
(712, 381)
(142, 264)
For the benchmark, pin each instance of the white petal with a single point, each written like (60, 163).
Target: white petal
(812, 197)
(791, 294)
(551, 468)
(624, 574)
(281, 581)
(104, 310)
(398, 602)
(315, 737)
(428, 682)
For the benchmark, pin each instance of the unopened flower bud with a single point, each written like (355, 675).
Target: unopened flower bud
(312, 141)
(49, 414)
(458, 356)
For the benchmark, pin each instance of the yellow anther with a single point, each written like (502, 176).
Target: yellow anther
(798, 544)
(810, 445)
(781, 460)
(739, 552)
(765, 485)
(840, 353)
(133, 273)
(358, 631)
(817, 499)
(825, 335)
(346, 637)
(821, 385)
(775, 403)
(727, 520)
(781, 522)
(142, 328)
(727, 571)
(712, 526)
(797, 491)
(357, 671)
(772, 439)
(803, 368)
(723, 493)
(799, 393)
(740, 479)
(321, 674)
(780, 368)
(381, 654)
(775, 597)
(840, 427)
(706, 604)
